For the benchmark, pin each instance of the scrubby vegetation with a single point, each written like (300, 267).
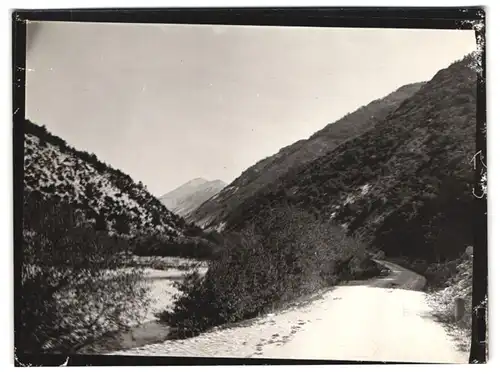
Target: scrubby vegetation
(405, 184)
(106, 195)
(160, 245)
(293, 157)
(166, 263)
(82, 223)
(458, 285)
(289, 254)
(75, 281)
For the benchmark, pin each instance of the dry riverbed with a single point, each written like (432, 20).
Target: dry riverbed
(161, 294)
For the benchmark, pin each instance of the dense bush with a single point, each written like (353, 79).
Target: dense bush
(163, 246)
(74, 285)
(291, 254)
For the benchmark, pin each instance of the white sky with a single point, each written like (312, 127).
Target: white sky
(168, 103)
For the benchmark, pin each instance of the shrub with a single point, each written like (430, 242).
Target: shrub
(268, 263)
(164, 246)
(74, 282)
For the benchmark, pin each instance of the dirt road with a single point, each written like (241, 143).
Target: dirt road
(377, 320)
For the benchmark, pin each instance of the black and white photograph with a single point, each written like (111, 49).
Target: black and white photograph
(251, 191)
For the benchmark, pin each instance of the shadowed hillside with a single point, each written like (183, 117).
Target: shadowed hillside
(297, 155)
(406, 184)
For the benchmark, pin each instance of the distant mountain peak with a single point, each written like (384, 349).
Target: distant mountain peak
(197, 180)
(189, 196)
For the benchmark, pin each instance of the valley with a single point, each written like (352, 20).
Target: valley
(323, 250)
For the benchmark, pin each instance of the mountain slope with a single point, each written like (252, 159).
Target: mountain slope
(298, 154)
(105, 195)
(186, 198)
(406, 184)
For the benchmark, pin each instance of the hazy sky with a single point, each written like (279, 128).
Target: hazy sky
(168, 103)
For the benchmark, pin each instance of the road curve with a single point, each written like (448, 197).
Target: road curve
(398, 277)
(377, 320)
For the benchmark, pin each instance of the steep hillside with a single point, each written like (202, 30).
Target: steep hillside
(406, 184)
(298, 154)
(108, 197)
(83, 224)
(188, 197)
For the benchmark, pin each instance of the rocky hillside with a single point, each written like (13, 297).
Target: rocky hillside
(189, 196)
(297, 155)
(108, 197)
(406, 183)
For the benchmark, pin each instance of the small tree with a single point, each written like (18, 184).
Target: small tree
(74, 282)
